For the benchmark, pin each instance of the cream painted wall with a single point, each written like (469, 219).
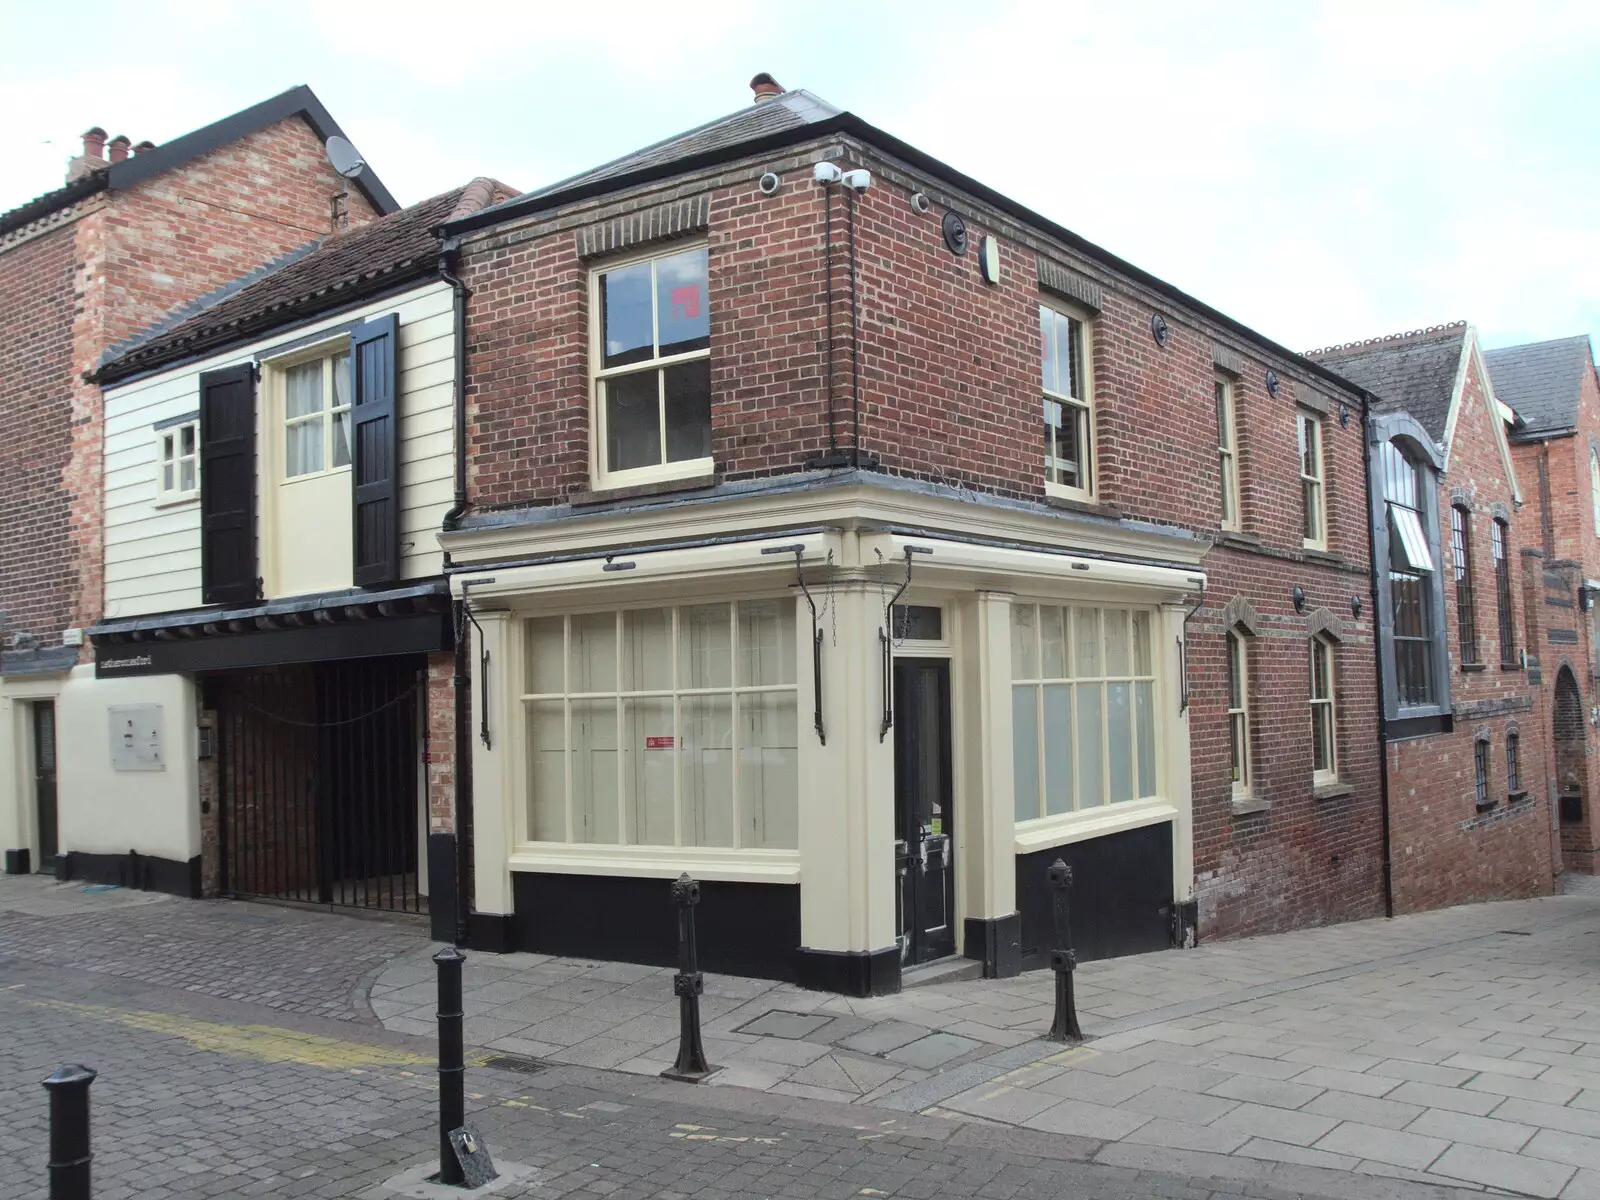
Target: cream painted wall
(152, 554)
(310, 546)
(111, 812)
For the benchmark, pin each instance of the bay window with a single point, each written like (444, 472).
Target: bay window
(1411, 575)
(664, 726)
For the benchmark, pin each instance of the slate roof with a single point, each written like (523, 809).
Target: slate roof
(1411, 372)
(298, 101)
(1542, 381)
(309, 279)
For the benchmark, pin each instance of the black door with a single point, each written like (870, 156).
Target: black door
(924, 821)
(44, 781)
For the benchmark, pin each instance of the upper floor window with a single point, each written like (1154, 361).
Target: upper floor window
(1502, 594)
(1513, 764)
(316, 416)
(1315, 521)
(1227, 454)
(1324, 736)
(652, 368)
(1411, 575)
(178, 466)
(1461, 557)
(1068, 404)
(1480, 764)
(1594, 489)
(1239, 713)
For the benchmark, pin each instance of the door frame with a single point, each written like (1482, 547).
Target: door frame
(952, 821)
(39, 864)
(19, 695)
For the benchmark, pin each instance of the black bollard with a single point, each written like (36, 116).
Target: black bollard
(688, 984)
(452, 1067)
(69, 1133)
(1063, 959)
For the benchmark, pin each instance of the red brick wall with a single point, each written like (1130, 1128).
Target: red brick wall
(441, 708)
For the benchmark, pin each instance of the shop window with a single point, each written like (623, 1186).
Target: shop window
(1083, 716)
(1324, 718)
(652, 369)
(1068, 404)
(1227, 453)
(1239, 756)
(1314, 521)
(1461, 557)
(664, 726)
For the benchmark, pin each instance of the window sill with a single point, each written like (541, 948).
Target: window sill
(1485, 806)
(1474, 667)
(177, 500)
(1511, 666)
(1248, 805)
(1045, 832)
(663, 487)
(1313, 549)
(686, 471)
(1233, 537)
(1516, 798)
(1092, 507)
(658, 862)
(1333, 790)
(1331, 557)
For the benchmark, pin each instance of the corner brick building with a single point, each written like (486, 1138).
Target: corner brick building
(134, 232)
(1018, 553)
(1556, 446)
(1465, 697)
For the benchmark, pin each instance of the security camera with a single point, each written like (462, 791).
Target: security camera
(920, 202)
(826, 173)
(769, 184)
(859, 180)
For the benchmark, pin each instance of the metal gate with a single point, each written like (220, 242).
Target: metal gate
(317, 777)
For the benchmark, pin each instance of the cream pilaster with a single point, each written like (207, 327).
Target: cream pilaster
(494, 797)
(990, 852)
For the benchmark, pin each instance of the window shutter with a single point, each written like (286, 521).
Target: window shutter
(228, 486)
(375, 438)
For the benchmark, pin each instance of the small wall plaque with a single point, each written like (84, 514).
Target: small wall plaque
(136, 738)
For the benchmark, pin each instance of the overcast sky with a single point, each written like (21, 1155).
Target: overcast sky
(1323, 172)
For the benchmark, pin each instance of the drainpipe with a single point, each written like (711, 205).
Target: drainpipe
(1377, 653)
(447, 261)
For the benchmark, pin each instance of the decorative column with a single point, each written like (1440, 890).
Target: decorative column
(494, 794)
(993, 927)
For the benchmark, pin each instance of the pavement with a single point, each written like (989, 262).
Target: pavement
(237, 1057)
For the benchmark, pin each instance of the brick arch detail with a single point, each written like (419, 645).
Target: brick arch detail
(1322, 622)
(1500, 512)
(1239, 613)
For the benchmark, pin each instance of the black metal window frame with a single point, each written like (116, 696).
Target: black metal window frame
(1480, 759)
(1405, 489)
(1501, 535)
(1461, 559)
(1513, 764)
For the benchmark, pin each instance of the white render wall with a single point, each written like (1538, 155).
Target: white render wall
(152, 554)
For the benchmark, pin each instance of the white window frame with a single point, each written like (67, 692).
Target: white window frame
(1312, 485)
(599, 475)
(327, 352)
(171, 437)
(1594, 489)
(1227, 452)
(1237, 649)
(1328, 704)
(1090, 466)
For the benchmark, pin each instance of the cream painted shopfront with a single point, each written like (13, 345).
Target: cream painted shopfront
(865, 715)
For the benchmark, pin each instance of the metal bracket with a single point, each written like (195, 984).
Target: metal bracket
(1183, 651)
(799, 549)
(483, 663)
(886, 643)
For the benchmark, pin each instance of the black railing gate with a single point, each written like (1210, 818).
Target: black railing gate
(317, 777)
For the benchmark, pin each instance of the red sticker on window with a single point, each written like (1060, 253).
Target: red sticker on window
(660, 743)
(686, 302)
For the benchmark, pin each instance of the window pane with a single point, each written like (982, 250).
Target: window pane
(766, 642)
(166, 477)
(1312, 499)
(594, 771)
(186, 440)
(1142, 664)
(1117, 657)
(1064, 440)
(1319, 671)
(1058, 748)
(303, 447)
(341, 439)
(547, 771)
(688, 397)
(340, 366)
(1071, 356)
(683, 311)
(769, 770)
(545, 646)
(651, 743)
(1024, 648)
(633, 421)
(594, 652)
(1025, 751)
(186, 479)
(707, 733)
(1322, 737)
(647, 650)
(302, 389)
(1119, 740)
(1228, 489)
(1091, 764)
(1047, 339)
(1224, 421)
(627, 332)
(1053, 640)
(1144, 717)
(705, 652)
(1235, 673)
(1086, 640)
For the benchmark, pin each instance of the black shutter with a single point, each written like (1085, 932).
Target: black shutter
(375, 440)
(228, 486)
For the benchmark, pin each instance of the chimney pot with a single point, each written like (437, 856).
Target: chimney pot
(765, 87)
(117, 148)
(94, 143)
(144, 146)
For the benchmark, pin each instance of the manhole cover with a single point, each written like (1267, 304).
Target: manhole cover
(781, 1024)
(515, 1062)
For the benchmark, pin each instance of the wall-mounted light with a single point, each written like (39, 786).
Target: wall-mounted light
(1344, 415)
(989, 258)
(858, 180)
(955, 233)
(1355, 606)
(1160, 330)
(826, 173)
(1272, 384)
(1299, 595)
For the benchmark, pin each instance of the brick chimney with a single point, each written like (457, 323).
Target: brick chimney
(765, 87)
(144, 147)
(93, 156)
(117, 147)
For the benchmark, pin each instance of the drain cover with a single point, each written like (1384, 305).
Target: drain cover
(515, 1062)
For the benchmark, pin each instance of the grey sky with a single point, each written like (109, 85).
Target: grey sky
(1323, 172)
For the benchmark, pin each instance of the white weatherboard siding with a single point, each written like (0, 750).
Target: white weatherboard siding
(152, 554)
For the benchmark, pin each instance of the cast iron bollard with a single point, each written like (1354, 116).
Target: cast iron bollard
(691, 1066)
(69, 1133)
(1063, 959)
(452, 1068)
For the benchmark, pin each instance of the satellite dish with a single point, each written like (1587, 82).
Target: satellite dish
(344, 157)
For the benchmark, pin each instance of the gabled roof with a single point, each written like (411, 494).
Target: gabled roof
(1411, 372)
(312, 278)
(1542, 381)
(299, 101)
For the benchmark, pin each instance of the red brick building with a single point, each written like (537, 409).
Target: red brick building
(135, 231)
(861, 542)
(1556, 446)
(1465, 695)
